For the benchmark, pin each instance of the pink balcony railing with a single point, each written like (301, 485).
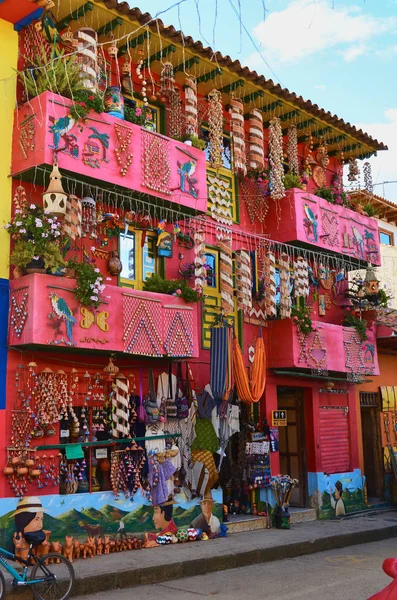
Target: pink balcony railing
(108, 149)
(330, 347)
(44, 311)
(312, 220)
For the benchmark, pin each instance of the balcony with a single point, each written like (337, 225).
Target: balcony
(105, 148)
(44, 312)
(313, 221)
(330, 347)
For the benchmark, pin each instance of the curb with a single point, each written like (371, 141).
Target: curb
(135, 576)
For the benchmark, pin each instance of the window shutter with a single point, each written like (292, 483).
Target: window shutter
(334, 439)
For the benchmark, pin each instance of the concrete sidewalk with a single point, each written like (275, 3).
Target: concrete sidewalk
(136, 567)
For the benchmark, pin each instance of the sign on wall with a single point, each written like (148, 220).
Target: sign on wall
(279, 418)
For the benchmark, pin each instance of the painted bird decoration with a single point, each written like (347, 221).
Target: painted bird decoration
(359, 240)
(64, 313)
(59, 128)
(312, 219)
(186, 171)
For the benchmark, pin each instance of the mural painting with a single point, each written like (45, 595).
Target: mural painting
(337, 494)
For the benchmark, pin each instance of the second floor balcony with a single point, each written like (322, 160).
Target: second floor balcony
(312, 221)
(45, 312)
(107, 149)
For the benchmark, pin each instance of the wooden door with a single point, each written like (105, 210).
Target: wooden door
(292, 444)
(369, 420)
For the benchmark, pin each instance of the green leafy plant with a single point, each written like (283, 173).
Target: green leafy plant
(260, 175)
(136, 114)
(83, 102)
(62, 76)
(175, 287)
(196, 141)
(352, 319)
(24, 253)
(89, 284)
(302, 319)
(292, 181)
(333, 195)
(370, 209)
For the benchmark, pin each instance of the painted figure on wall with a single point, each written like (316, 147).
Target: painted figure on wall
(337, 502)
(208, 522)
(187, 181)
(29, 519)
(162, 519)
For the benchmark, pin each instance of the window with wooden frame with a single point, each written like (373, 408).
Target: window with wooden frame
(138, 257)
(386, 237)
(156, 113)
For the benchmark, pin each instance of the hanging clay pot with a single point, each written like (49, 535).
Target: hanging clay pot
(50, 431)
(38, 433)
(15, 460)
(115, 266)
(34, 472)
(29, 462)
(70, 273)
(8, 471)
(22, 471)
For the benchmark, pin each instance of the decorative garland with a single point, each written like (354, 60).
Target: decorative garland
(122, 151)
(285, 292)
(256, 157)
(175, 120)
(244, 280)
(71, 225)
(199, 261)
(237, 135)
(293, 160)
(270, 284)
(167, 78)
(226, 274)
(143, 81)
(277, 190)
(368, 184)
(215, 123)
(120, 403)
(191, 107)
(301, 278)
(354, 170)
(156, 160)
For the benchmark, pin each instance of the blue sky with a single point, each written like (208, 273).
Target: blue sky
(341, 54)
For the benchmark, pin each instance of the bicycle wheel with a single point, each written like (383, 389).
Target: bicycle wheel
(2, 586)
(58, 578)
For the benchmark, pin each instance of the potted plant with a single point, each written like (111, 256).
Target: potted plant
(36, 235)
(89, 283)
(292, 181)
(353, 318)
(173, 287)
(193, 140)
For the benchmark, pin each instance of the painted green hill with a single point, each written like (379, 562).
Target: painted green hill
(74, 516)
(96, 515)
(112, 513)
(139, 520)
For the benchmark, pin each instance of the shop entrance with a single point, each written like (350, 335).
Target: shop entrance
(292, 445)
(370, 419)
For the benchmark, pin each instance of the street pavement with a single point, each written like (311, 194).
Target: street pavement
(350, 573)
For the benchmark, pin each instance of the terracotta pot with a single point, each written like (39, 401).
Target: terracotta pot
(15, 460)
(22, 471)
(29, 462)
(115, 265)
(50, 431)
(34, 472)
(8, 471)
(36, 266)
(70, 273)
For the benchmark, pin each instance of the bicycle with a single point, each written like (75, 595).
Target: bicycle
(46, 585)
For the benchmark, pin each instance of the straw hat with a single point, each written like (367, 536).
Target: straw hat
(30, 504)
(207, 497)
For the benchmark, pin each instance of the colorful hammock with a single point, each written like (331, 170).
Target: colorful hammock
(250, 389)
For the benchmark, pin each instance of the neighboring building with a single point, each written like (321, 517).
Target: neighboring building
(251, 249)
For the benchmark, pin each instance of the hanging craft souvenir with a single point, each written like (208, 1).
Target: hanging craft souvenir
(293, 160)
(215, 125)
(143, 81)
(55, 197)
(164, 240)
(87, 40)
(174, 112)
(237, 136)
(256, 156)
(72, 223)
(277, 190)
(89, 220)
(191, 107)
(285, 290)
(226, 274)
(250, 389)
(243, 280)
(368, 185)
(167, 79)
(301, 278)
(120, 403)
(199, 261)
(270, 284)
(354, 170)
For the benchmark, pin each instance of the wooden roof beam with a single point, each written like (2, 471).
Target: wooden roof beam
(271, 106)
(194, 60)
(163, 53)
(134, 42)
(252, 97)
(109, 27)
(232, 86)
(208, 76)
(76, 14)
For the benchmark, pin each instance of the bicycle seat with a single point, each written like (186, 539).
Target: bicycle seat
(34, 538)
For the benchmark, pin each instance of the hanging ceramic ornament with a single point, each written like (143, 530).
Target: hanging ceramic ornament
(174, 110)
(285, 289)
(277, 190)
(293, 160)
(113, 99)
(126, 81)
(55, 198)
(301, 278)
(237, 135)
(89, 220)
(354, 170)
(256, 156)
(243, 280)
(167, 79)
(215, 133)
(368, 184)
(270, 284)
(199, 261)
(120, 404)
(190, 89)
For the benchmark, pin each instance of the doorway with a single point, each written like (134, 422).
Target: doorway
(292, 445)
(372, 451)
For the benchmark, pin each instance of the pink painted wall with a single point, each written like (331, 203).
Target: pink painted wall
(89, 158)
(131, 321)
(339, 229)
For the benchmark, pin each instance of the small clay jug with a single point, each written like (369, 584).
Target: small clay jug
(115, 266)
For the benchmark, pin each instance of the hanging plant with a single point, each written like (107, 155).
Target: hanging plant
(292, 181)
(277, 190)
(196, 141)
(89, 285)
(83, 102)
(352, 318)
(302, 319)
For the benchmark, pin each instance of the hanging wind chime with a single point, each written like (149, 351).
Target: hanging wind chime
(55, 197)
(301, 278)
(89, 220)
(270, 284)
(87, 40)
(243, 280)
(199, 261)
(293, 160)
(237, 135)
(368, 184)
(191, 106)
(285, 290)
(277, 190)
(73, 218)
(215, 124)
(256, 156)
(354, 170)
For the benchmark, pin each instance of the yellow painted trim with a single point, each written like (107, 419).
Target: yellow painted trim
(137, 283)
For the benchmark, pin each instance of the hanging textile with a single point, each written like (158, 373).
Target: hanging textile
(301, 278)
(293, 160)
(199, 261)
(120, 404)
(226, 274)
(219, 361)
(256, 154)
(270, 284)
(285, 292)
(191, 107)
(215, 129)
(72, 223)
(277, 190)
(243, 280)
(250, 389)
(237, 136)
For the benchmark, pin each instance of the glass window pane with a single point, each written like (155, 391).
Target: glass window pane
(385, 238)
(127, 256)
(148, 258)
(211, 270)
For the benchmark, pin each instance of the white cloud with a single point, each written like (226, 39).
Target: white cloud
(354, 52)
(320, 86)
(305, 27)
(384, 166)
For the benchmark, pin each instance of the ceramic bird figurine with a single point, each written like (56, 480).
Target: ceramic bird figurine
(176, 230)
(62, 310)
(60, 127)
(162, 233)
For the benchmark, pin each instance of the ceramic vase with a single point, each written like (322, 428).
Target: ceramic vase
(115, 265)
(114, 102)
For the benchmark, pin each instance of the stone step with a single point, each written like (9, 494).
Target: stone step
(240, 523)
(302, 515)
